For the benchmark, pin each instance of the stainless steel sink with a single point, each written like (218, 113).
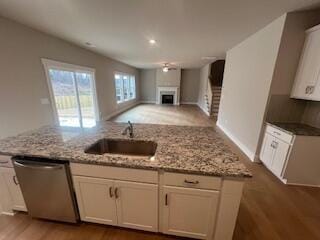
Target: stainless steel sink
(123, 146)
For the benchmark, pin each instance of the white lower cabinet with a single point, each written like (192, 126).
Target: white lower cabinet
(275, 150)
(137, 205)
(171, 203)
(121, 203)
(294, 159)
(189, 212)
(12, 196)
(267, 151)
(280, 156)
(95, 200)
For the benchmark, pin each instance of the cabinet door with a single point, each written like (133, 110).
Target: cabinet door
(305, 85)
(96, 200)
(280, 156)
(267, 150)
(11, 181)
(137, 205)
(189, 212)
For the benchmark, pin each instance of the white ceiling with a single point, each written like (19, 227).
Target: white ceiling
(185, 30)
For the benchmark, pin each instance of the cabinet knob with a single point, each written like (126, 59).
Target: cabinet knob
(116, 193)
(110, 192)
(166, 200)
(311, 89)
(15, 180)
(307, 90)
(274, 144)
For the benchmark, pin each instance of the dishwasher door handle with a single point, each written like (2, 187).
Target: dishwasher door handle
(37, 167)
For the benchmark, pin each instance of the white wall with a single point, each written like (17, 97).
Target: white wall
(246, 85)
(203, 87)
(148, 85)
(23, 82)
(189, 85)
(171, 78)
(190, 79)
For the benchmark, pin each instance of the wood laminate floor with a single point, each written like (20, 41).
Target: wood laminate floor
(269, 210)
(187, 115)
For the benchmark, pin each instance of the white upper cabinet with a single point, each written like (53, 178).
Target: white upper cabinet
(307, 82)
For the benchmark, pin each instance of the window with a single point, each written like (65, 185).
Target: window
(125, 87)
(73, 94)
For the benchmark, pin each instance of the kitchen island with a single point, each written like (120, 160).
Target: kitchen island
(191, 187)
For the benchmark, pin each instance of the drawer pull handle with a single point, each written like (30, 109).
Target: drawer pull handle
(4, 162)
(15, 180)
(116, 193)
(277, 133)
(191, 182)
(110, 192)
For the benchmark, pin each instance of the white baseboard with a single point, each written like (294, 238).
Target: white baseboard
(189, 103)
(206, 112)
(244, 149)
(301, 184)
(8, 213)
(120, 110)
(148, 102)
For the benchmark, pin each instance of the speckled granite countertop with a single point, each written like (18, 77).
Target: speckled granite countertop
(194, 150)
(297, 128)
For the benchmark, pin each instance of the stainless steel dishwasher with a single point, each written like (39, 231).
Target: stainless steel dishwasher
(47, 188)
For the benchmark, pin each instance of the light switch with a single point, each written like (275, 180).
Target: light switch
(44, 101)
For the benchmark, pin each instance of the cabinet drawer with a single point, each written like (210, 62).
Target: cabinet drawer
(5, 161)
(192, 181)
(286, 137)
(126, 174)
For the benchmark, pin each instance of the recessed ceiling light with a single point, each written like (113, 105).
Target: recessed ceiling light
(90, 45)
(152, 41)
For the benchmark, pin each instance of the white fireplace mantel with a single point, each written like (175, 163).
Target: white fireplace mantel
(164, 90)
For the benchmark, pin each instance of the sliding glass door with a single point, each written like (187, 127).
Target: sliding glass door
(74, 96)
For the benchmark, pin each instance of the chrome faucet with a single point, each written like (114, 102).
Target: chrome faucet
(128, 128)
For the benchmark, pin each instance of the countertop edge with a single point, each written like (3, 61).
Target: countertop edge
(151, 168)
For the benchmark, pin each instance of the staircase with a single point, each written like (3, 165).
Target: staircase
(216, 95)
(213, 90)
(207, 103)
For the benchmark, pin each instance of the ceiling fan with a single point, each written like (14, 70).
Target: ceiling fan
(167, 67)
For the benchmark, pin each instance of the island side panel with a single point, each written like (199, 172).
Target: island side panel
(228, 208)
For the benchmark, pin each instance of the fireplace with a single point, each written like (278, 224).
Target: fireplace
(168, 95)
(167, 98)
